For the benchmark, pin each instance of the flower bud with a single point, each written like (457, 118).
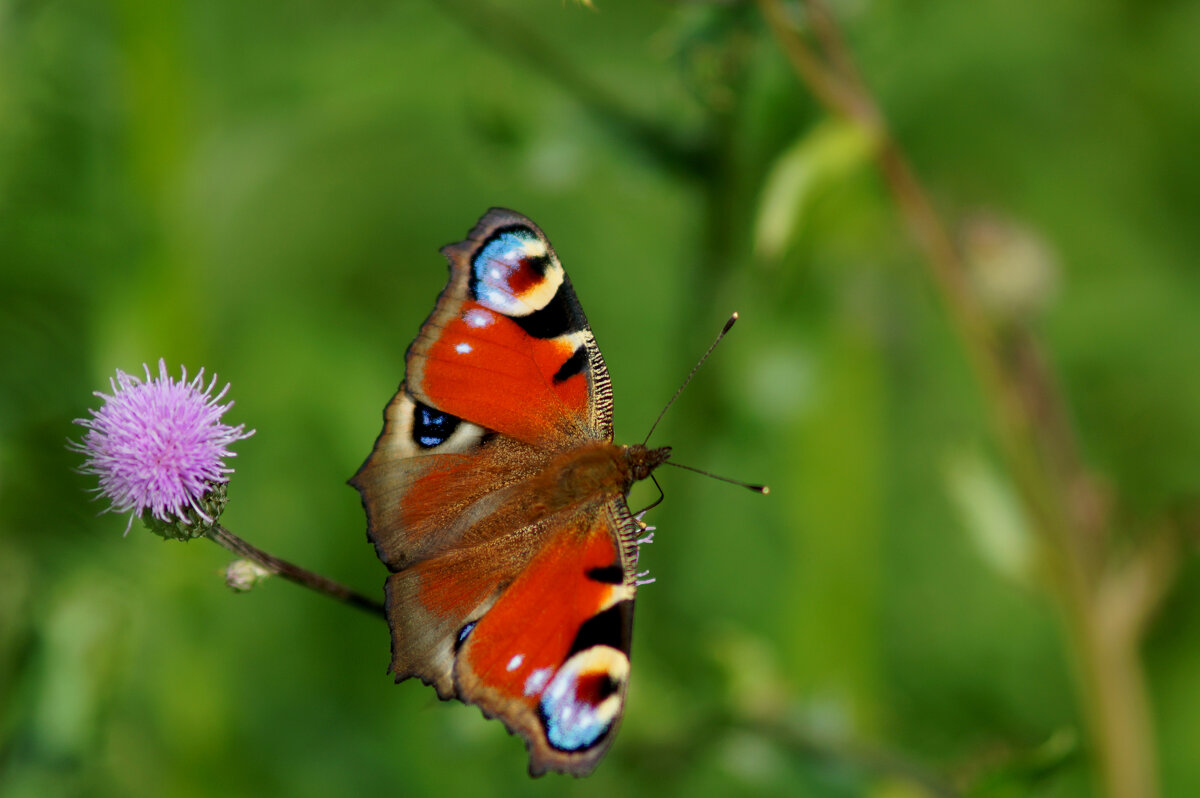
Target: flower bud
(241, 575)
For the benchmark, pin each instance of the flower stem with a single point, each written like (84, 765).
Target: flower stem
(294, 573)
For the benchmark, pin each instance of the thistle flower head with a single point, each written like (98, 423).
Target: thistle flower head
(158, 447)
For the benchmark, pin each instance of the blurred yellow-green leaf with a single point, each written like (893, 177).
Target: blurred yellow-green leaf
(991, 515)
(821, 156)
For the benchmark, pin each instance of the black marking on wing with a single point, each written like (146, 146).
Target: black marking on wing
(573, 365)
(611, 627)
(431, 427)
(539, 263)
(608, 685)
(610, 574)
(555, 319)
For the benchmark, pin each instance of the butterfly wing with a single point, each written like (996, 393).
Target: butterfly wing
(505, 376)
(534, 628)
(551, 656)
(506, 354)
(507, 345)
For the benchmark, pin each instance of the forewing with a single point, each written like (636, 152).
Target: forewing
(508, 347)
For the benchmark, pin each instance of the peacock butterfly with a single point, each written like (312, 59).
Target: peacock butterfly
(496, 498)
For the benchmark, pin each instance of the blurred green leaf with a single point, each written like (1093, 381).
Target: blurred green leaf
(825, 154)
(991, 515)
(1021, 772)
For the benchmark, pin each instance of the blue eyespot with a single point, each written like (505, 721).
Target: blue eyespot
(432, 427)
(572, 709)
(463, 634)
(506, 267)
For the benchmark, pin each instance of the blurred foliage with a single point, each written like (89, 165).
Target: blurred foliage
(262, 189)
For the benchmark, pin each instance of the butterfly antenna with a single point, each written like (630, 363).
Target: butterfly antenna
(763, 489)
(732, 319)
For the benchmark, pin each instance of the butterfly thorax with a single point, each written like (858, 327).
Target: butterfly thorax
(599, 469)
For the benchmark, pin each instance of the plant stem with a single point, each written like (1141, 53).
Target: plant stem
(294, 573)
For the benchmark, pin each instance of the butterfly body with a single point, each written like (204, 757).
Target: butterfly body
(496, 497)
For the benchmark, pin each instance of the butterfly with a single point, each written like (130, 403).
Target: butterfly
(497, 499)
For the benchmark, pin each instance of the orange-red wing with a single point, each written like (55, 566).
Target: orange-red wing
(551, 657)
(483, 367)
(508, 346)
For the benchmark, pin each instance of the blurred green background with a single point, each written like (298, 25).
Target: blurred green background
(260, 189)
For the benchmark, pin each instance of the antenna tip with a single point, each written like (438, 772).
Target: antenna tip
(732, 318)
(764, 489)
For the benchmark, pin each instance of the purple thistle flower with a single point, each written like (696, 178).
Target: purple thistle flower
(158, 446)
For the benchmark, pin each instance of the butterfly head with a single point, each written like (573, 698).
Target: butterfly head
(643, 460)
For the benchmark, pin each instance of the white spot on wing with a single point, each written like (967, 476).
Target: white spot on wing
(462, 348)
(478, 318)
(515, 662)
(536, 681)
